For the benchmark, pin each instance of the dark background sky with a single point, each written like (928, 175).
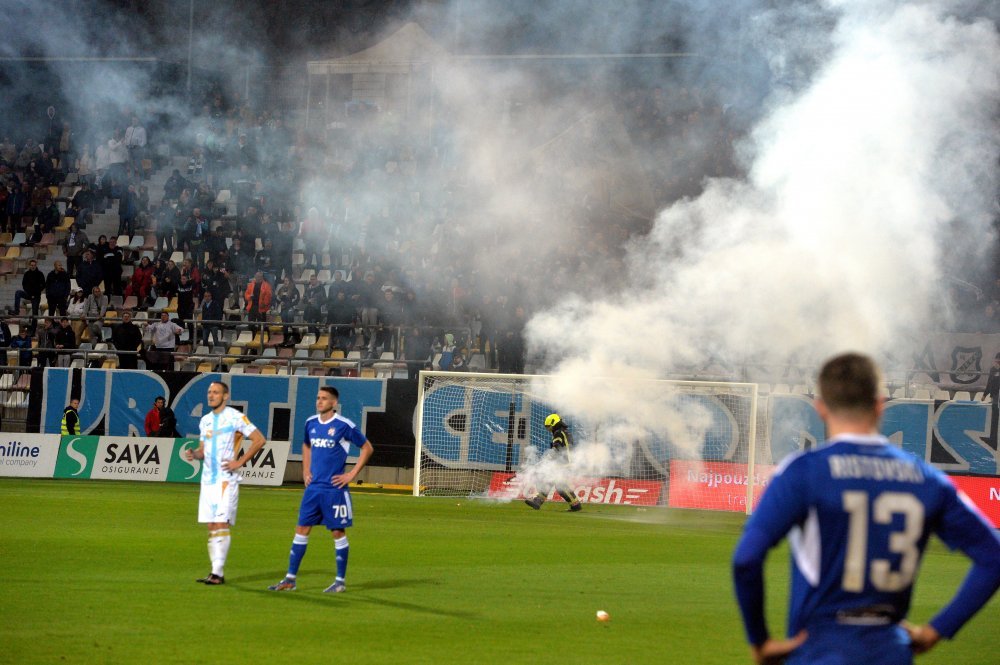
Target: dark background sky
(319, 28)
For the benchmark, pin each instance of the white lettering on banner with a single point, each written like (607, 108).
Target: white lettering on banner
(994, 494)
(589, 490)
(720, 479)
(28, 455)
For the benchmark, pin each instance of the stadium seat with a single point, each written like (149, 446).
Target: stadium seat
(268, 355)
(962, 395)
(244, 338)
(17, 239)
(335, 358)
(232, 355)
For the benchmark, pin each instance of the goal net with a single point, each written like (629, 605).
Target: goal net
(687, 444)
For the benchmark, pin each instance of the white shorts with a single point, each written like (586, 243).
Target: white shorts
(217, 502)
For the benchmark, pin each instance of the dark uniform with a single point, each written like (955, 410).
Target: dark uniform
(562, 442)
(993, 382)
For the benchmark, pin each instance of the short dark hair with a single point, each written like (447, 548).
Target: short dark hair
(225, 388)
(333, 392)
(849, 382)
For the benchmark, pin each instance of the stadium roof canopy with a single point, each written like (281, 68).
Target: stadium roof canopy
(396, 54)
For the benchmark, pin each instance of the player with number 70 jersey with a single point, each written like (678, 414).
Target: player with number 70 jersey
(327, 498)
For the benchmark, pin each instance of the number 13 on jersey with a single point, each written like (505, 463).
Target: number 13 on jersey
(901, 541)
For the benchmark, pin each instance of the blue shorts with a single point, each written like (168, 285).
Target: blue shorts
(845, 645)
(329, 506)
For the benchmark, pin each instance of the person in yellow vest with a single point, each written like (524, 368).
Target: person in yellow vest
(71, 418)
(562, 441)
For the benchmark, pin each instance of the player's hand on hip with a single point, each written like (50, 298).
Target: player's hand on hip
(341, 480)
(922, 638)
(773, 652)
(231, 465)
(307, 478)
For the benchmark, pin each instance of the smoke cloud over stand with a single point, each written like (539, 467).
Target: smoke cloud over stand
(836, 239)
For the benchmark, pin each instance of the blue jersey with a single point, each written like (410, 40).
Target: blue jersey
(329, 443)
(858, 513)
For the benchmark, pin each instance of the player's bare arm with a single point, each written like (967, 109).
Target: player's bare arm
(195, 453)
(306, 462)
(922, 638)
(773, 651)
(256, 443)
(344, 479)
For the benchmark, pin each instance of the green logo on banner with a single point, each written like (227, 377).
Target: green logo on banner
(182, 470)
(76, 456)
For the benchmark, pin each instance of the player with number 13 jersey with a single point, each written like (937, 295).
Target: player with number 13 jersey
(858, 512)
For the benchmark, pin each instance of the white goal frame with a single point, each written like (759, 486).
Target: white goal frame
(746, 391)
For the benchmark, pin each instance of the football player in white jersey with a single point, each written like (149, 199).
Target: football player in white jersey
(221, 431)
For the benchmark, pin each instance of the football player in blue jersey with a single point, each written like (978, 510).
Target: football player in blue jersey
(327, 499)
(858, 512)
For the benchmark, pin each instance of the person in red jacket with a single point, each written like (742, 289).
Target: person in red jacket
(141, 280)
(153, 417)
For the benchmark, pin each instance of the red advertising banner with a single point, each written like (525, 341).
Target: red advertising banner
(619, 491)
(714, 485)
(983, 492)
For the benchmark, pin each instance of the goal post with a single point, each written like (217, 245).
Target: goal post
(688, 444)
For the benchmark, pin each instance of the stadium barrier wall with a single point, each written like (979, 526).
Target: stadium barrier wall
(959, 437)
(125, 458)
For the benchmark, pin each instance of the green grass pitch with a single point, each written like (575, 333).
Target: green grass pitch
(104, 573)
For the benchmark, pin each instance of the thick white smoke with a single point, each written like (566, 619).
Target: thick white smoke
(835, 239)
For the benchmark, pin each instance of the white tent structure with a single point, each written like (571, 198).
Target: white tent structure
(388, 75)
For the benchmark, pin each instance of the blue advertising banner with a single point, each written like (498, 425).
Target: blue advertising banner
(118, 401)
